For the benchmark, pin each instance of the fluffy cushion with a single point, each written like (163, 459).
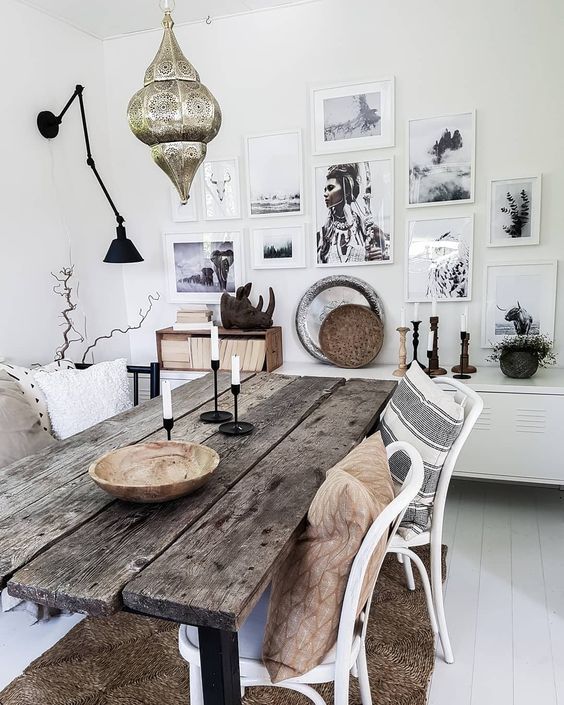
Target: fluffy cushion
(430, 419)
(78, 399)
(308, 589)
(25, 376)
(21, 433)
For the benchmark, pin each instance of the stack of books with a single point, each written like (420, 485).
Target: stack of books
(193, 319)
(195, 353)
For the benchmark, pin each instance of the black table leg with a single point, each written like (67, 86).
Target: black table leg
(219, 657)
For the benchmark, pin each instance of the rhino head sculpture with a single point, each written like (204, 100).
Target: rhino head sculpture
(238, 311)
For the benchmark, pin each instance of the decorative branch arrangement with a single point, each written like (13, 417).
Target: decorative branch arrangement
(519, 214)
(64, 289)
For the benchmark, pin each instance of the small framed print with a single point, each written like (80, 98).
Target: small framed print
(353, 116)
(275, 174)
(439, 259)
(278, 247)
(441, 160)
(188, 212)
(515, 211)
(200, 267)
(520, 300)
(221, 192)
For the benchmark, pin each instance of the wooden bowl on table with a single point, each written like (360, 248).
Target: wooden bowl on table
(154, 472)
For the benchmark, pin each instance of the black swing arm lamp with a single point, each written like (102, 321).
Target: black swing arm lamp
(122, 250)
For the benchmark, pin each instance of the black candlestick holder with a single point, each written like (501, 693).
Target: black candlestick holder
(236, 427)
(461, 375)
(168, 425)
(415, 337)
(215, 416)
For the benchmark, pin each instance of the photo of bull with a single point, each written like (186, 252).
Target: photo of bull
(521, 319)
(222, 261)
(238, 311)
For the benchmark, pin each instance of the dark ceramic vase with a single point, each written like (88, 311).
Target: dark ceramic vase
(519, 364)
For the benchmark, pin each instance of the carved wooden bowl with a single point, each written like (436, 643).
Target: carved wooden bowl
(154, 472)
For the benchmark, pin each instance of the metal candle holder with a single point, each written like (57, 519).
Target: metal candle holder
(470, 369)
(168, 425)
(236, 427)
(461, 374)
(215, 416)
(434, 368)
(402, 367)
(416, 325)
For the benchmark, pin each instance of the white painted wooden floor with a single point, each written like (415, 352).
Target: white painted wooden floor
(504, 601)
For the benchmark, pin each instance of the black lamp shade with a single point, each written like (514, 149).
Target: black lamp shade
(122, 250)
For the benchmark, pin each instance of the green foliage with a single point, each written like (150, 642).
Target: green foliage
(538, 345)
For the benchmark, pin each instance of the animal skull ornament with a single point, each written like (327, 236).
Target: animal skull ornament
(238, 311)
(220, 185)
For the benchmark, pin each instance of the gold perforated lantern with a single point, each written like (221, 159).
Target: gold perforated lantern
(174, 113)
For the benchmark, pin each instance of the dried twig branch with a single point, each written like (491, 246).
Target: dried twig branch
(142, 316)
(65, 290)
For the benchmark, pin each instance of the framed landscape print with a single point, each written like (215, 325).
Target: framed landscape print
(278, 247)
(201, 267)
(275, 174)
(354, 213)
(439, 259)
(221, 192)
(520, 300)
(187, 213)
(515, 206)
(441, 157)
(353, 116)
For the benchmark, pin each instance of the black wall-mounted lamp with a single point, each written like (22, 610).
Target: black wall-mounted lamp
(122, 250)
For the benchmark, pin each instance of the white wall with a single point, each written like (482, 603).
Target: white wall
(502, 57)
(42, 60)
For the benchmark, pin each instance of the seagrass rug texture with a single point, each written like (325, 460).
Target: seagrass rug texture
(131, 660)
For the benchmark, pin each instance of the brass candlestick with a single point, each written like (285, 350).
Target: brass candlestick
(467, 366)
(434, 368)
(402, 368)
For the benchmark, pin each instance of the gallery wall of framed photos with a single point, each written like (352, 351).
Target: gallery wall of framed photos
(448, 178)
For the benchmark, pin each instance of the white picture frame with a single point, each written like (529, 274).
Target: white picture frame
(347, 117)
(288, 240)
(433, 270)
(221, 190)
(518, 196)
(275, 181)
(186, 257)
(188, 212)
(380, 212)
(530, 289)
(439, 174)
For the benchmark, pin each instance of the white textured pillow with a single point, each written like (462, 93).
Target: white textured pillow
(78, 399)
(25, 377)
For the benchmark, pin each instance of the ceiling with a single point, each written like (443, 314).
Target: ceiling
(110, 18)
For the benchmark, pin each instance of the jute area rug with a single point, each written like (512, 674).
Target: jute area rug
(130, 660)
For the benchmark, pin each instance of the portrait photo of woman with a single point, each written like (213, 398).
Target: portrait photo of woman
(354, 213)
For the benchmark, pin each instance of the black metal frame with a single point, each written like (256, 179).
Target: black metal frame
(153, 370)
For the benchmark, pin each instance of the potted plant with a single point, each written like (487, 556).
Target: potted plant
(520, 356)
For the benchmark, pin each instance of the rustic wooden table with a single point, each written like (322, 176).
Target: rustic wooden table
(204, 559)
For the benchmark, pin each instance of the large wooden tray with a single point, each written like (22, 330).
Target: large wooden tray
(351, 336)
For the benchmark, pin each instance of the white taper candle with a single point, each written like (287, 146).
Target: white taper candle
(167, 399)
(434, 307)
(415, 312)
(235, 370)
(214, 343)
(402, 323)
(430, 340)
(462, 323)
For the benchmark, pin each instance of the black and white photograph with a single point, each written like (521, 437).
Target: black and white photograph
(439, 259)
(520, 300)
(278, 247)
(201, 267)
(275, 175)
(354, 206)
(222, 200)
(515, 211)
(348, 117)
(441, 160)
(185, 212)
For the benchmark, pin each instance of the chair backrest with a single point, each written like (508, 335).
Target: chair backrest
(153, 370)
(388, 522)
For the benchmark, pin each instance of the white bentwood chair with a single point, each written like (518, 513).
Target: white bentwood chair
(349, 653)
(473, 405)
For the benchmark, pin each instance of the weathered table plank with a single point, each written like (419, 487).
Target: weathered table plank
(28, 480)
(56, 513)
(214, 573)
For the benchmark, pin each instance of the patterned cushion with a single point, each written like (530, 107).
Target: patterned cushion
(430, 419)
(308, 589)
(25, 377)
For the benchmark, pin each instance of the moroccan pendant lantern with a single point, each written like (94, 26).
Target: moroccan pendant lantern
(174, 113)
